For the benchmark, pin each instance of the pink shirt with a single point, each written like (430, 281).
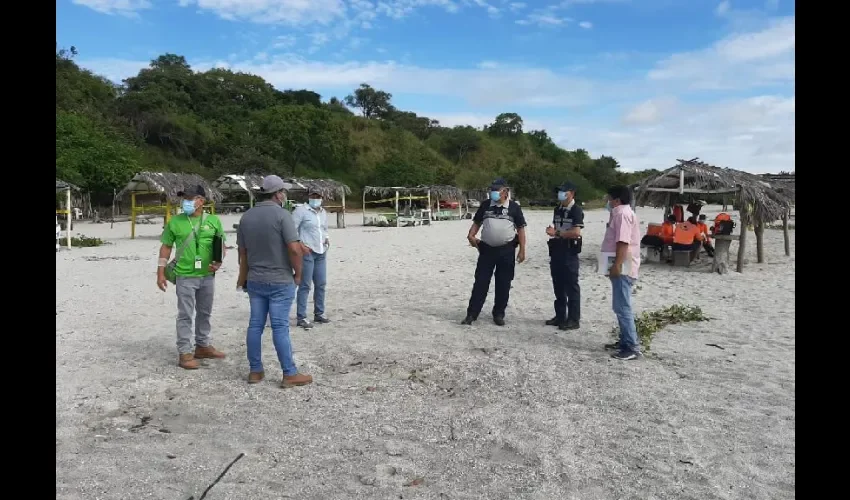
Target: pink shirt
(623, 226)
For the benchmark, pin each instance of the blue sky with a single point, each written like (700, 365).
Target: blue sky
(645, 81)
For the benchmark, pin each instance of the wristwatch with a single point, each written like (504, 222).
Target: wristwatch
(558, 233)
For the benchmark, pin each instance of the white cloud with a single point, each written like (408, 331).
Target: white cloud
(284, 41)
(744, 60)
(515, 6)
(586, 25)
(755, 135)
(723, 8)
(650, 112)
(122, 7)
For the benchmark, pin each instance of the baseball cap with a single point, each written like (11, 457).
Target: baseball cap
(567, 186)
(273, 184)
(315, 190)
(498, 184)
(192, 191)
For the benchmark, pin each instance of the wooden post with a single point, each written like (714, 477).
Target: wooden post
(396, 210)
(785, 233)
(111, 224)
(429, 207)
(168, 210)
(758, 228)
(742, 243)
(364, 206)
(68, 217)
(132, 216)
(342, 220)
(681, 180)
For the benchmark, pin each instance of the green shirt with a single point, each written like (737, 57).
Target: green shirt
(179, 228)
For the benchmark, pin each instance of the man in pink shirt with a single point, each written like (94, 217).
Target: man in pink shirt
(623, 239)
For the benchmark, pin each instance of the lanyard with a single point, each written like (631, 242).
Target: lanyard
(196, 232)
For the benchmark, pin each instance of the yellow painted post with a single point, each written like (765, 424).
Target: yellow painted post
(132, 215)
(212, 208)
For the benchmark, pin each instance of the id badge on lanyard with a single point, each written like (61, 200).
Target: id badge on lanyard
(197, 236)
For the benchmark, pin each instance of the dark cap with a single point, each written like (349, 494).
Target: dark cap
(566, 186)
(498, 184)
(702, 217)
(315, 190)
(193, 191)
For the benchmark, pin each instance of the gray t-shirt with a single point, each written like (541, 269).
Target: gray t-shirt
(264, 232)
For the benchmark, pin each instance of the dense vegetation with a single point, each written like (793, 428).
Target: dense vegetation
(171, 118)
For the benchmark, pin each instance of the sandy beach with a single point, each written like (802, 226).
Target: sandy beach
(409, 404)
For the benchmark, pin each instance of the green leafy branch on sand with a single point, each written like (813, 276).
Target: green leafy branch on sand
(650, 322)
(86, 241)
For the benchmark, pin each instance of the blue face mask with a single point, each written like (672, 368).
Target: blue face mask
(188, 207)
(315, 202)
(562, 195)
(495, 195)
(608, 206)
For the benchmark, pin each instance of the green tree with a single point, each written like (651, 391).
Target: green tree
(91, 155)
(371, 102)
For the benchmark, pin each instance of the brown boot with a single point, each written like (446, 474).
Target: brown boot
(208, 352)
(297, 379)
(188, 362)
(256, 377)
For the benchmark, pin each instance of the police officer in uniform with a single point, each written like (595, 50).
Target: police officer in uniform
(564, 249)
(502, 226)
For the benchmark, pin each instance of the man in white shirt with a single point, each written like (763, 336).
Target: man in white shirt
(311, 222)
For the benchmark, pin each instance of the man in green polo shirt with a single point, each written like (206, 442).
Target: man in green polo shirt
(193, 233)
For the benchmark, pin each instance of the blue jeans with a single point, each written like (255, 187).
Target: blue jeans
(622, 304)
(273, 301)
(313, 269)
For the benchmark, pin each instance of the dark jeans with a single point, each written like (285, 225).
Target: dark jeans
(502, 260)
(709, 248)
(564, 268)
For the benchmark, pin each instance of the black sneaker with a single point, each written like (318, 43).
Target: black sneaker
(499, 320)
(321, 320)
(615, 346)
(625, 355)
(556, 321)
(570, 324)
(467, 320)
(303, 323)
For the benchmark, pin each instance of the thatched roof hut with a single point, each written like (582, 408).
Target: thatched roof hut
(168, 184)
(329, 188)
(62, 186)
(692, 179)
(760, 200)
(249, 183)
(440, 192)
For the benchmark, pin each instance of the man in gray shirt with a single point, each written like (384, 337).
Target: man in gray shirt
(502, 226)
(270, 269)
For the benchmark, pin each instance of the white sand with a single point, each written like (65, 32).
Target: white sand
(403, 392)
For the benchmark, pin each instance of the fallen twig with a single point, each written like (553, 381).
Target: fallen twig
(204, 494)
(717, 346)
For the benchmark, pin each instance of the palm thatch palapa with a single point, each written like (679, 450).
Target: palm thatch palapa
(168, 184)
(433, 193)
(157, 185)
(329, 188)
(62, 186)
(760, 202)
